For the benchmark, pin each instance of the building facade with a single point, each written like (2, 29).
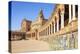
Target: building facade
(60, 30)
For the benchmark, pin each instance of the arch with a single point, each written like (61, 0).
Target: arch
(50, 28)
(76, 9)
(59, 18)
(55, 24)
(66, 14)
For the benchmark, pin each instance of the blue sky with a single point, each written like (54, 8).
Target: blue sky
(28, 10)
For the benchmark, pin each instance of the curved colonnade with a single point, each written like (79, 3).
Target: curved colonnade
(58, 32)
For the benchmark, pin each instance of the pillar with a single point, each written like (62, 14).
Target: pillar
(51, 28)
(54, 27)
(73, 7)
(62, 19)
(57, 25)
(69, 13)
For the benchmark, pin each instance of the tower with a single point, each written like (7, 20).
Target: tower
(25, 25)
(40, 15)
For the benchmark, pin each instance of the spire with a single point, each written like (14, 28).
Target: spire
(41, 14)
(24, 19)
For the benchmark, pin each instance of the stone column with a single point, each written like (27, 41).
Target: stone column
(57, 25)
(69, 13)
(62, 19)
(51, 28)
(57, 19)
(54, 26)
(74, 17)
(36, 35)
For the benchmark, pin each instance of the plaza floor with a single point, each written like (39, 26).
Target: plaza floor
(29, 46)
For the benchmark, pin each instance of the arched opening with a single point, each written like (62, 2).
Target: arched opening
(55, 24)
(76, 9)
(59, 19)
(50, 28)
(66, 14)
